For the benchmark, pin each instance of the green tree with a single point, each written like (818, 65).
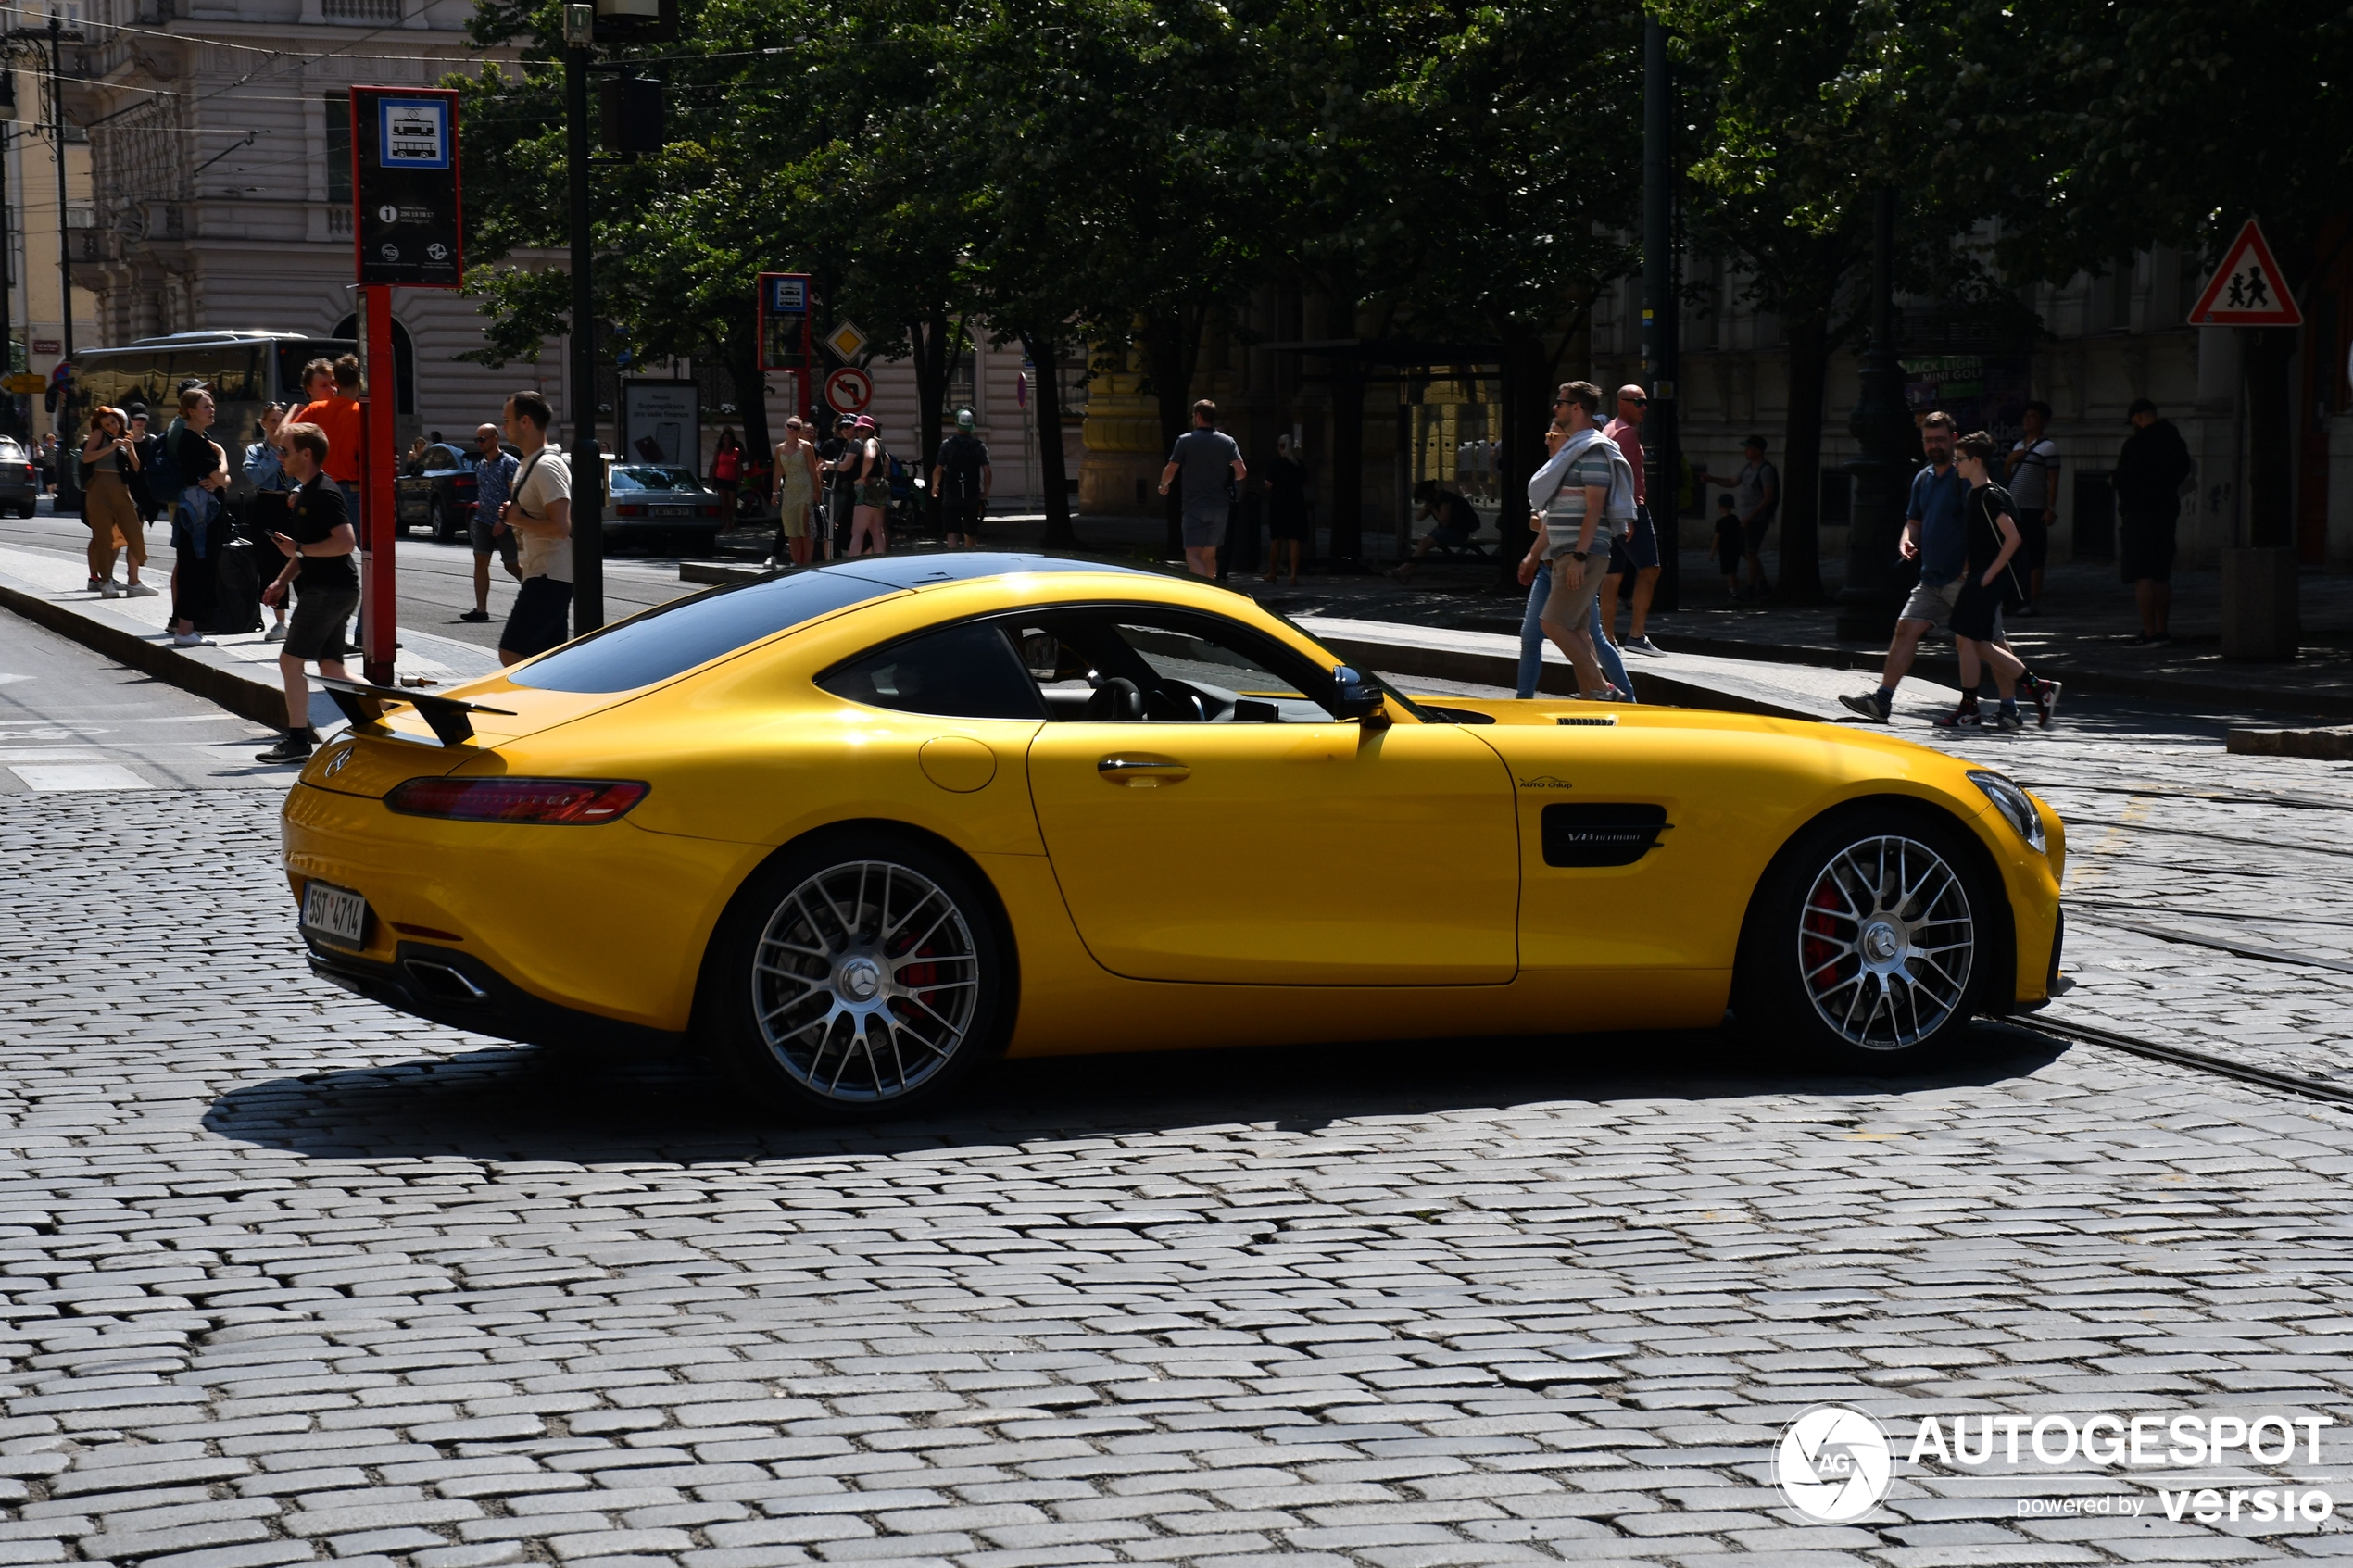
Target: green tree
(2169, 123)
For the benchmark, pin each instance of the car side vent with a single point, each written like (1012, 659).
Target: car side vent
(1612, 834)
(1581, 719)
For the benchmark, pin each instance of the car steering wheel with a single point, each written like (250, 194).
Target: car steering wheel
(1118, 699)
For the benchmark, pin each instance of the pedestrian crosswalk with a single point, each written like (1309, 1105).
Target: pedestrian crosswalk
(45, 778)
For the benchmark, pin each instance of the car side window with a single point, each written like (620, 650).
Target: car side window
(1164, 667)
(967, 671)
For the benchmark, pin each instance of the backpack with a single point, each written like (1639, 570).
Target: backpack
(163, 474)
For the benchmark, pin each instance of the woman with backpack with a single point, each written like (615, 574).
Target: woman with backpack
(1990, 583)
(109, 462)
(869, 516)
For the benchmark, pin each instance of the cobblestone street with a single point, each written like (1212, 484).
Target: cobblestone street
(288, 1275)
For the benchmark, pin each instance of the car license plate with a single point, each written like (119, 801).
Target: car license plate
(668, 513)
(336, 913)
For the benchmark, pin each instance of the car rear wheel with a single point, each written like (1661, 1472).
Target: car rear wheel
(437, 524)
(859, 976)
(1870, 940)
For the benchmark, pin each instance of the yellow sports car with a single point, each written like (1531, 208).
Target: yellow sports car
(862, 827)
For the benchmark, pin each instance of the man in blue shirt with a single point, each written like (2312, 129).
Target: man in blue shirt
(1936, 534)
(494, 483)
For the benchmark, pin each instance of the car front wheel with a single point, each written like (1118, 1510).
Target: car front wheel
(1870, 940)
(859, 976)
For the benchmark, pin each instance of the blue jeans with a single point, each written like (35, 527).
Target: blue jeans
(1532, 640)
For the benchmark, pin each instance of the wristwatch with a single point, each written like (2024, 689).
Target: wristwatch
(1580, 555)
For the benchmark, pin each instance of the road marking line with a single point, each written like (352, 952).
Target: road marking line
(12, 754)
(103, 775)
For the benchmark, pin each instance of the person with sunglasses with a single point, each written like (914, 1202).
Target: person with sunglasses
(1634, 553)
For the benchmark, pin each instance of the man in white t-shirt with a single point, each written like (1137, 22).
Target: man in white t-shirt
(2034, 486)
(540, 515)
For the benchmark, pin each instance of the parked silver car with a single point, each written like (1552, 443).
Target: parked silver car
(19, 485)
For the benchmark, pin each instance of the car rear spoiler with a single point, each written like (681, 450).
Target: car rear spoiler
(364, 705)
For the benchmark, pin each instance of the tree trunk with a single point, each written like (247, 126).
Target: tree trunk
(1045, 366)
(1172, 349)
(1810, 368)
(928, 339)
(1348, 463)
(1526, 412)
(751, 391)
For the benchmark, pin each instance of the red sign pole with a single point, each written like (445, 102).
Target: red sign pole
(377, 467)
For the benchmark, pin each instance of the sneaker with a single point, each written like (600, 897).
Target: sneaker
(2026, 609)
(277, 633)
(95, 583)
(1643, 644)
(1868, 706)
(2047, 696)
(2006, 719)
(290, 748)
(2151, 640)
(138, 591)
(109, 589)
(1959, 717)
(189, 640)
(475, 615)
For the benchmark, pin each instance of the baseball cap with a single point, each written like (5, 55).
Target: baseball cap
(2139, 405)
(1754, 444)
(964, 419)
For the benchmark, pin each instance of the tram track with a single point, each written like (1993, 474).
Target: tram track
(2310, 1087)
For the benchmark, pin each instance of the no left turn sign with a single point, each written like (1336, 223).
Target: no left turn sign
(848, 390)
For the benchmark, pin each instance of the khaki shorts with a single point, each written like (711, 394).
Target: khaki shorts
(1571, 609)
(1932, 602)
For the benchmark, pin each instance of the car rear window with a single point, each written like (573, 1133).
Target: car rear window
(674, 639)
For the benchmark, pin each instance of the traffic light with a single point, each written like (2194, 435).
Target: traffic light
(629, 113)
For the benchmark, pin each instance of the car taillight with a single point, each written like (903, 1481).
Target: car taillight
(706, 511)
(625, 511)
(28, 470)
(463, 482)
(518, 801)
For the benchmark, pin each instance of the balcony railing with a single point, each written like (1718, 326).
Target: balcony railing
(377, 13)
(339, 219)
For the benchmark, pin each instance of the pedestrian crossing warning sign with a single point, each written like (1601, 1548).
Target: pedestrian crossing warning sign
(2246, 290)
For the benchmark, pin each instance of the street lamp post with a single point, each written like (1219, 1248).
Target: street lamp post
(1880, 422)
(587, 461)
(1661, 440)
(58, 130)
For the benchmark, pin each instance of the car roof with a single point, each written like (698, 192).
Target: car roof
(926, 572)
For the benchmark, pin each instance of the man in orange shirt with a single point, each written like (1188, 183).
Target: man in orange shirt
(334, 410)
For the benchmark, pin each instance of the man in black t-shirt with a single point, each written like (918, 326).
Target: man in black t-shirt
(837, 461)
(317, 545)
(961, 479)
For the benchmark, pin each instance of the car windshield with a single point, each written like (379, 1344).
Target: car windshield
(444, 457)
(653, 479)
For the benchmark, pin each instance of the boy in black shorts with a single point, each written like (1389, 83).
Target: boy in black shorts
(318, 546)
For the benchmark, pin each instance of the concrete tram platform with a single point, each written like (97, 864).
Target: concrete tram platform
(237, 670)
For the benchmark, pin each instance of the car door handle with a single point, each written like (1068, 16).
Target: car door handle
(1142, 772)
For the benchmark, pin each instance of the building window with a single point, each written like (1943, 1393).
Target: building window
(339, 147)
(960, 380)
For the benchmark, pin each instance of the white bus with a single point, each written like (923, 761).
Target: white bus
(244, 372)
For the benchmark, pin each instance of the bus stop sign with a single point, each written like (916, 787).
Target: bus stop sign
(404, 186)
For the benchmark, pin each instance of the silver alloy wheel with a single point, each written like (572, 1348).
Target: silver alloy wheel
(865, 981)
(1886, 941)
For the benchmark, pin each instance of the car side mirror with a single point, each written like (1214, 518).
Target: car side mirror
(1355, 697)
